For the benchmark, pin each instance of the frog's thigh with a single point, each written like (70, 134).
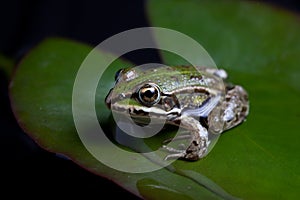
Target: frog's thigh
(197, 131)
(197, 143)
(236, 107)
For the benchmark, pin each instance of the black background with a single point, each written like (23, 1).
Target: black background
(26, 169)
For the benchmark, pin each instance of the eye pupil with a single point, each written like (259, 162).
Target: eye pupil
(149, 94)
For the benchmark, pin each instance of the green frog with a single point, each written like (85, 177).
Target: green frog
(198, 99)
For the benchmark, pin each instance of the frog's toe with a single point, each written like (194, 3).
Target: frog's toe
(172, 150)
(174, 153)
(181, 154)
(175, 156)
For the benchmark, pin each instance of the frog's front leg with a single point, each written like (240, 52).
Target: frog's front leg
(198, 136)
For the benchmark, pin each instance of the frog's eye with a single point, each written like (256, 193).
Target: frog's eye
(149, 94)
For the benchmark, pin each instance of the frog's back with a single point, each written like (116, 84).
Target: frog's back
(170, 78)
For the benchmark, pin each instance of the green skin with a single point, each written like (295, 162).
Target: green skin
(185, 95)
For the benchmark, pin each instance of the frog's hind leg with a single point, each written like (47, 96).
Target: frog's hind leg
(193, 152)
(181, 146)
(174, 153)
(197, 141)
(235, 106)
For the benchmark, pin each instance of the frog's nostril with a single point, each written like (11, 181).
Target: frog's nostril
(118, 74)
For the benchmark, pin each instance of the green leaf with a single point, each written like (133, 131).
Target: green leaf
(257, 45)
(41, 96)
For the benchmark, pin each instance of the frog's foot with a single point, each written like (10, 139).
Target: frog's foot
(174, 153)
(236, 106)
(196, 139)
(186, 138)
(195, 151)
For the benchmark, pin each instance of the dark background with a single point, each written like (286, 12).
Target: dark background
(26, 169)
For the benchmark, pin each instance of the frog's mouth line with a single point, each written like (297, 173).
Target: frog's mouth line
(154, 112)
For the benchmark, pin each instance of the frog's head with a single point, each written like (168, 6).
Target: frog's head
(141, 95)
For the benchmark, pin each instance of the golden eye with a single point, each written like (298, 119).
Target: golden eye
(149, 94)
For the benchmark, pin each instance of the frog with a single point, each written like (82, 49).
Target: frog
(199, 99)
